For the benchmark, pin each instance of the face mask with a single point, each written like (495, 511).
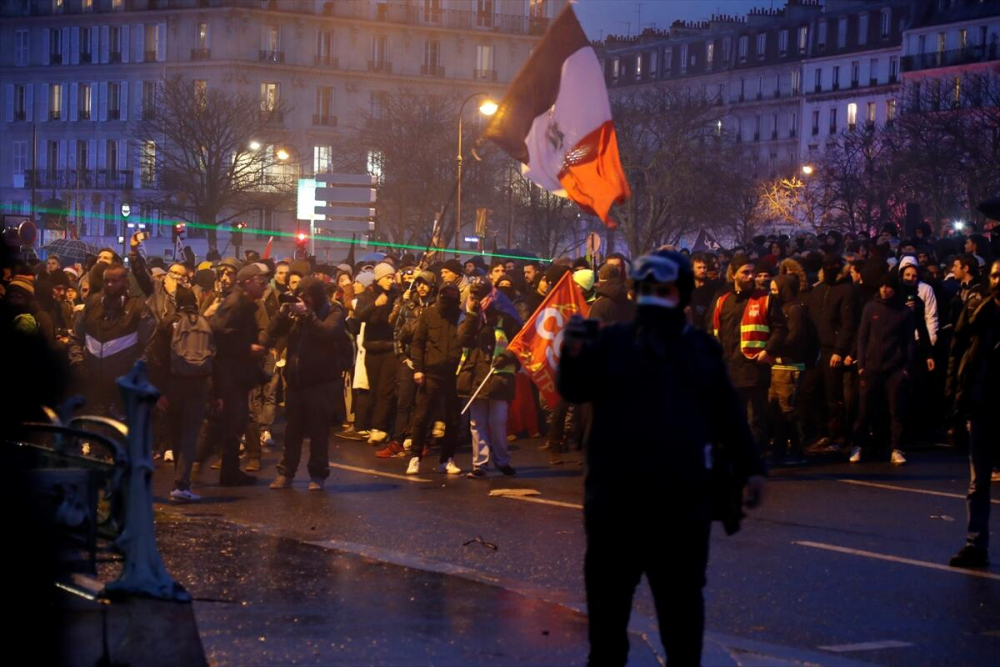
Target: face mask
(657, 301)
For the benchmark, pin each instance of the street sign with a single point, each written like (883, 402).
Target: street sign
(345, 203)
(346, 195)
(27, 232)
(345, 212)
(126, 210)
(593, 243)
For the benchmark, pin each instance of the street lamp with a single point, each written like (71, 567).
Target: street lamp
(807, 169)
(255, 145)
(487, 108)
(282, 154)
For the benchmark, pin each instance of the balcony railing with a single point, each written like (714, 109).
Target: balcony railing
(484, 74)
(446, 18)
(818, 88)
(855, 83)
(86, 57)
(271, 56)
(83, 114)
(91, 179)
(971, 54)
(327, 61)
(115, 57)
(55, 58)
(20, 115)
(873, 81)
(114, 114)
(432, 70)
(325, 120)
(201, 54)
(383, 66)
(149, 56)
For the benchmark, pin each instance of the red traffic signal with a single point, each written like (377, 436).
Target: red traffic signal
(302, 237)
(178, 231)
(240, 225)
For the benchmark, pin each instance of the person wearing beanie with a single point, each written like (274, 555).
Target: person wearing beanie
(612, 304)
(383, 270)
(584, 278)
(887, 350)
(763, 272)
(373, 309)
(751, 327)
(451, 272)
(638, 375)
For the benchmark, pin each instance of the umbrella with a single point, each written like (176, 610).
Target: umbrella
(990, 208)
(373, 257)
(70, 251)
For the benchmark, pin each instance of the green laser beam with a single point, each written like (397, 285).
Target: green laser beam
(261, 232)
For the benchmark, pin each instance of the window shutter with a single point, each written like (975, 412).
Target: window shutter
(45, 102)
(74, 46)
(74, 105)
(64, 43)
(71, 154)
(140, 38)
(105, 43)
(46, 46)
(64, 103)
(137, 102)
(102, 100)
(92, 154)
(9, 113)
(123, 103)
(123, 154)
(29, 102)
(127, 46)
(95, 43)
(102, 155)
(161, 42)
(61, 158)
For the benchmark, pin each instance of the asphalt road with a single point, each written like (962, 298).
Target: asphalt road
(843, 563)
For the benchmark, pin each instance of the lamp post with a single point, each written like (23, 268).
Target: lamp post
(487, 108)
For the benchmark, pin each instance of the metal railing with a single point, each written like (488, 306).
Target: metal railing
(201, 54)
(384, 66)
(432, 70)
(446, 18)
(325, 121)
(484, 74)
(271, 56)
(71, 179)
(327, 60)
(972, 54)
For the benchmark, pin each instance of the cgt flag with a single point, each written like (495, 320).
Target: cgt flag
(538, 344)
(556, 120)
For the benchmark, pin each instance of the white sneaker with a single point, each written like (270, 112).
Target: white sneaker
(408, 444)
(897, 457)
(375, 436)
(450, 468)
(414, 467)
(266, 440)
(438, 431)
(184, 495)
(168, 456)
(855, 455)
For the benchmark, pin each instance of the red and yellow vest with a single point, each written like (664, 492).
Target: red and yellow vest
(754, 329)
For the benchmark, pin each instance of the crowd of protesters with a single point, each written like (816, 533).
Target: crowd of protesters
(836, 346)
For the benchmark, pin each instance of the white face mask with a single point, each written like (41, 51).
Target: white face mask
(657, 301)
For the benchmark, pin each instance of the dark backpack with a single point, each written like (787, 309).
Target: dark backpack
(192, 346)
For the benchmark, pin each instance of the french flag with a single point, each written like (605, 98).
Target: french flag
(556, 120)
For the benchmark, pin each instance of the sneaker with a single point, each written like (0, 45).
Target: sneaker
(239, 478)
(391, 451)
(253, 465)
(438, 431)
(351, 434)
(408, 444)
(281, 482)
(168, 456)
(450, 468)
(476, 473)
(897, 457)
(970, 556)
(184, 496)
(414, 467)
(508, 471)
(265, 439)
(376, 436)
(316, 484)
(855, 455)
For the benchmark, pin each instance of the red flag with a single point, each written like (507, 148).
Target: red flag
(267, 248)
(538, 344)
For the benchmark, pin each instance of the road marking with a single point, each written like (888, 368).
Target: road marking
(379, 473)
(897, 559)
(893, 487)
(865, 646)
(543, 501)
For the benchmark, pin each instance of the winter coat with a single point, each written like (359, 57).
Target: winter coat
(887, 340)
(480, 340)
(109, 336)
(237, 325)
(926, 293)
(612, 304)
(702, 299)
(378, 330)
(319, 349)
(435, 349)
(795, 347)
(974, 359)
(406, 321)
(835, 311)
(747, 372)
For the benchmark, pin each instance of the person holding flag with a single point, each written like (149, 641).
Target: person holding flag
(659, 388)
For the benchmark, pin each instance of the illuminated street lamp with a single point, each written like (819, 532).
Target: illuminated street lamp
(255, 145)
(282, 154)
(488, 107)
(807, 169)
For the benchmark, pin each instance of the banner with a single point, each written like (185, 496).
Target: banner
(539, 342)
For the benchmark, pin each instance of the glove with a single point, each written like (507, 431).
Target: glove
(501, 361)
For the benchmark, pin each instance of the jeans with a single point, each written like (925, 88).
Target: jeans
(489, 432)
(186, 398)
(263, 398)
(310, 412)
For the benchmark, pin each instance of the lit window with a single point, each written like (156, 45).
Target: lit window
(852, 115)
(322, 159)
(269, 96)
(376, 165)
(709, 54)
(890, 111)
(870, 115)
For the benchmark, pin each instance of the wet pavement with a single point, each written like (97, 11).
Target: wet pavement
(385, 569)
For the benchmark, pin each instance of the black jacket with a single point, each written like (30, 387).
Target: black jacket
(480, 339)
(319, 350)
(378, 329)
(747, 372)
(798, 339)
(666, 391)
(887, 339)
(237, 326)
(101, 344)
(434, 348)
(835, 310)
(612, 304)
(974, 360)
(406, 321)
(702, 299)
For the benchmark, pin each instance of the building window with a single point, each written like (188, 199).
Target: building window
(432, 11)
(684, 58)
(484, 60)
(761, 45)
(377, 101)
(855, 73)
(863, 28)
(147, 164)
(324, 105)
(638, 67)
(818, 85)
(821, 39)
(941, 43)
(886, 23)
(114, 100)
(893, 69)
(324, 47)
(82, 155)
(115, 44)
(756, 128)
(86, 45)
(380, 51)
(52, 155)
(55, 46)
(55, 100)
(322, 159)
(21, 48)
(709, 54)
(890, 111)
(793, 124)
(744, 45)
(842, 32)
(200, 92)
(833, 121)
(20, 102)
(484, 13)
(149, 97)
(796, 82)
(111, 155)
(783, 43)
(150, 35)
(836, 77)
(269, 96)
(774, 126)
(870, 114)
(84, 96)
(20, 149)
(956, 92)
(815, 122)
(852, 116)
(727, 49)
(873, 71)
(803, 38)
(432, 56)
(963, 39)
(376, 165)
(615, 70)
(202, 35)
(272, 38)
(668, 61)
(653, 63)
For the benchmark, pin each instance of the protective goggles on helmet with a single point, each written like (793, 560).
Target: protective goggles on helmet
(660, 269)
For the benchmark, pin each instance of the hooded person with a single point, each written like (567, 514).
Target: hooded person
(653, 375)
(926, 294)
(798, 352)
(887, 348)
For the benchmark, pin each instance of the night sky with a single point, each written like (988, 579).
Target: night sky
(622, 16)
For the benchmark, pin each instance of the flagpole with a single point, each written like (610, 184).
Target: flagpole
(481, 385)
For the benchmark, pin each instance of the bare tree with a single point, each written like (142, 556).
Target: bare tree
(212, 156)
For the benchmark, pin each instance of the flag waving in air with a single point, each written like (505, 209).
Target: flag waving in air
(556, 120)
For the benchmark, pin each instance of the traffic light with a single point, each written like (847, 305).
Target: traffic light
(236, 236)
(177, 232)
(301, 245)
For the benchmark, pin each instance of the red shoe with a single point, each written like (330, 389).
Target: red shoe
(393, 450)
